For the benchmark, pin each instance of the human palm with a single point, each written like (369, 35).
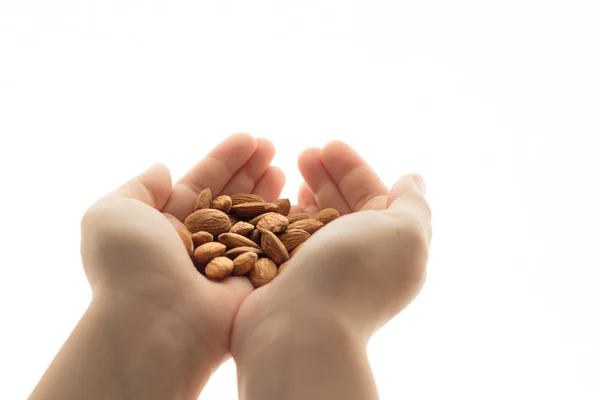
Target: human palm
(130, 249)
(362, 268)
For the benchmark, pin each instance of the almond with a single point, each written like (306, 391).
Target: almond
(282, 267)
(186, 237)
(273, 222)
(242, 228)
(309, 225)
(255, 236)
(219, 267)
(293, 253)
(233, 253)
(284, 206)
(199, 238)
(208, 220)
(222, 203)
(263, 272)
(293, 238)
(251, 210)
(273, 247)
(204, 200)
(243, 263)
(327, 215)
(208, 251)
(240, 198)
(257, 219)
(232, 240)
(297, 217)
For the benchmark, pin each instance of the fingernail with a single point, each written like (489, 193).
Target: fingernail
(420, 182)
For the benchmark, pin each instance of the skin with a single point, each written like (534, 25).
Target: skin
(157, 329)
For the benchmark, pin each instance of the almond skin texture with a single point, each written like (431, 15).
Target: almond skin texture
(233, 253)
(204, 200)
(284, 206)
(254, 221)
(208, 220)
(243, 263)
(273, 222)
(232, 240)
(327, 215)
(293, 238)
(297, 217)
(242, 228)
(240, 198)
(309, 225)
(293, 253)
(208, 251)
(199, 238)
(255, 236)
(222, 203)
(273, 247)
(282, 267)
(219, 268)
(186, 237)
(251, 210)
(263, 272)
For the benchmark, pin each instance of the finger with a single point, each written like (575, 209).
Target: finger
(152, 187)
(213, 171)
(324, 189)
(306, 201)
(270, 184)
(248, 176)
(356, 180)
(406, 201)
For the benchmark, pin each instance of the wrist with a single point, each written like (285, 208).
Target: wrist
(154, 340)
(298, 325)
(302, 353)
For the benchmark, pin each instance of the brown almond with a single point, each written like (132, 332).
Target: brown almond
(243, 263)
(327, 215)
(242, 228)
(239, 198)
(222, 203)
(273, 247)
(186, 237)
(297, 217)
(293, 238)
(255, 236)
(208, 251)
(273, 222)
(219, 268)
(257, 219)
(282, 267)
(293, 253)
(251, 210)
(208, 220)
(204, 200)
(309, 225)
(233, 253)
(199, 238)
(232, 240)
(263, 272)
(284, 206)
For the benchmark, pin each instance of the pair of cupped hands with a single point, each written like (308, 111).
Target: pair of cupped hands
(357, 272)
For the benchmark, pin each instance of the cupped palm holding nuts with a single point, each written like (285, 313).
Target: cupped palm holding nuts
(242, 235)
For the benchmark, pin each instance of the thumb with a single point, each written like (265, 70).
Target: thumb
(152, 187)
(406, 199)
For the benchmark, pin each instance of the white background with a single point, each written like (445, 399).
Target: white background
(496, 103)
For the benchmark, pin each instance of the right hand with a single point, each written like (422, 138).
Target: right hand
(358, 271)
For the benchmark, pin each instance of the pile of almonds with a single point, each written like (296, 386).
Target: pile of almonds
(242, 235)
